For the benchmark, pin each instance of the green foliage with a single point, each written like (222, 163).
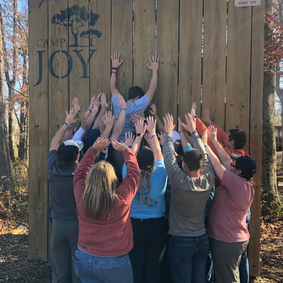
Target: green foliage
(16, 198)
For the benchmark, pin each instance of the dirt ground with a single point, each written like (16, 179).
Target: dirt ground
(17, 268)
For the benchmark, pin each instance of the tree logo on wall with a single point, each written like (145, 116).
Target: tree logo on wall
(80, 22)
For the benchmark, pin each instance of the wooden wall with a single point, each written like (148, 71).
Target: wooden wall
(210, 52)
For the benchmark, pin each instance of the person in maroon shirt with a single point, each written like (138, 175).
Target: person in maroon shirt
(105, 230)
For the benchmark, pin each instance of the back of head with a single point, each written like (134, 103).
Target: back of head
(246, 164)
(145, 158)
(100, 191)
(193, 159)
(135, 91)
(239, 137)
(68, 153)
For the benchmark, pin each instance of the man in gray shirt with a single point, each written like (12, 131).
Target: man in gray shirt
(61, 164)
(190, 190)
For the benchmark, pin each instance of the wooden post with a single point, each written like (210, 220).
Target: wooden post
(256, 133)
(38, 130)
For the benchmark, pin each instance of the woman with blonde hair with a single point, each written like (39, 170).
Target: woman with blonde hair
(103, 207)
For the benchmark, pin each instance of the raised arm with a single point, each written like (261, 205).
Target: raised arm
(140, 130)
(115, 65)
(184, 141)
(219, 169)
(154, 143)
(206, 118)
(153, 112)
(71, 118)
(120, 123)
(153, 83)
(223, 155)
(104, 105)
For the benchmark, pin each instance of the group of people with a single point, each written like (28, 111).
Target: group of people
(136, 200)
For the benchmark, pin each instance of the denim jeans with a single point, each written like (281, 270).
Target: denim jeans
(187, 258)
(244, 264)
(97, 269)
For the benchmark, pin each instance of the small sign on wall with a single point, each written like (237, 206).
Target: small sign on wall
(247, 3)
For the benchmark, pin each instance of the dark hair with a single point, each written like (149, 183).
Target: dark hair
(135, 91)
(179, 160)
(244, 175)
(67, 164)
(239, 137)
(193, 158)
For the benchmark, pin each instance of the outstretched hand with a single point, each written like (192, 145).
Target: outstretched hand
(71, 117)
(190, 123)
(180, 126)
(140, 127)
(153, 63)
(100, 143)
(76, 104)
(94, 104)
(152, 110)
(121, 101)
(168, 123)
(108, 119)
(119, 146)
(116, 60)
(151, 125)
(213, 133)
(194, 109)
(104, 104)
(129, 139)
(206, 119)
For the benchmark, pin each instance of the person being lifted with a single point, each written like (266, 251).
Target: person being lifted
(137, 99)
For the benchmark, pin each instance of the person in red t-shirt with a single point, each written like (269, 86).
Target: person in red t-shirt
(105, 230)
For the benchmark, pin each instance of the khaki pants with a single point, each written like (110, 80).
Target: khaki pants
(226, 259)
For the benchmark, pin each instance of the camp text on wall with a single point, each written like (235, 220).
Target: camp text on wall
(81, 24)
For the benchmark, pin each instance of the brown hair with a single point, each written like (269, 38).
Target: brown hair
(100, 191)
(193, 158)
(145, 174)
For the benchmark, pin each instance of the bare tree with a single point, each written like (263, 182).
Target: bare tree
(5, 164)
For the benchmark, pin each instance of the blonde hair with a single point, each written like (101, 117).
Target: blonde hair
(100, 191)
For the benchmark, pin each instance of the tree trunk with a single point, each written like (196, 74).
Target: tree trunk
(270, 195)
(5, 164)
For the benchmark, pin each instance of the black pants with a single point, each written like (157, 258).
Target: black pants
(149, 245)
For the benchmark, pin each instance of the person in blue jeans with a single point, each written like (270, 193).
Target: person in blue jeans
(190, 190)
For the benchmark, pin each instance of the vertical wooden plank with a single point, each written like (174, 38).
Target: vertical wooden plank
(190, 55)
(214, 59)
(122, 42)
(167, 51)
(100, 62)
(79, 39)
(144, 41)
(38, 130)
(60, 64)
(238, 68)
(256, 133)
